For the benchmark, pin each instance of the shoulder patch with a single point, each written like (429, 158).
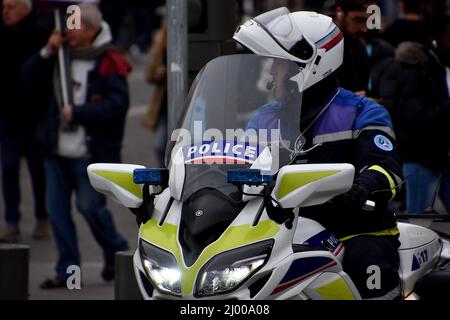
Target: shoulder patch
(383, 143)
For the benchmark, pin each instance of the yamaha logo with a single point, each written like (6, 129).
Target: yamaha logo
(199, 213)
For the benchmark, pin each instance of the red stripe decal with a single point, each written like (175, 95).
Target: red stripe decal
(333, 42)
(339, 249)
(218, 160)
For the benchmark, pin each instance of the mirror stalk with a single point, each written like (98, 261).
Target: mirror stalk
(277, 214)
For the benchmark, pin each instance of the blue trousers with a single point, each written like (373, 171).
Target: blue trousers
(65, 176)
(422, 185)
(444, 191)
(15, 143)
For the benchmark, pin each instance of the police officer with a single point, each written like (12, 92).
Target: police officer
(344, 128)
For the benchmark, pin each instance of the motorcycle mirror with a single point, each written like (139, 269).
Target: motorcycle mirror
(116, 181)
(308, 185)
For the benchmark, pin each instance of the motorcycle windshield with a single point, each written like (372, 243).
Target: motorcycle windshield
(239, 106)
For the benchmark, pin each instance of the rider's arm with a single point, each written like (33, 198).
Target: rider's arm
(268, 110)
(378, 164)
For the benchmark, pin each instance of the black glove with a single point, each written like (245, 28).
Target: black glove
(355, 199)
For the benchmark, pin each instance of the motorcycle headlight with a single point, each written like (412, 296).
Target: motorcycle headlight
(161, 268)
(228, 271)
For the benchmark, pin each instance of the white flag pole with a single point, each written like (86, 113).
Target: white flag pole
(62, 63)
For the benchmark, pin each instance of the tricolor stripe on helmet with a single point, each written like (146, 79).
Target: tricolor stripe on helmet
(330, 40)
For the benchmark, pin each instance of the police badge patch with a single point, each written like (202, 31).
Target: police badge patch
(383, 143)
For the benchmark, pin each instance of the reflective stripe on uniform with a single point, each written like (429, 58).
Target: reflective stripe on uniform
(389, 232)
(332, 137)
(388, 176)
(385, 129)
(348, 135)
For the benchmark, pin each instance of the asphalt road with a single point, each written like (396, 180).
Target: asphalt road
(138, 149)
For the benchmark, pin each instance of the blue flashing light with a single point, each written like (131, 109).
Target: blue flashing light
(153, 177)
(251, 177)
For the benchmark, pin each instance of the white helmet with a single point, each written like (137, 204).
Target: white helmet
(309, 38)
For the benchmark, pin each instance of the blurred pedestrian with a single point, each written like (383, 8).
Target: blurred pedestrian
(444, 189)
(91, 130)
(440, 33)
(156, 118)
(146, 21)
(411, 26)
(21, 37)
(113, 14)
(415, 89)
(363, 47)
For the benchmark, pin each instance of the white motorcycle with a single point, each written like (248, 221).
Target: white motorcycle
(224, 221)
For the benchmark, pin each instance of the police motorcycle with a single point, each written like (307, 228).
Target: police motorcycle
(224, 221)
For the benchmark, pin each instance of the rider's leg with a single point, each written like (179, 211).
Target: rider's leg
(372, 263)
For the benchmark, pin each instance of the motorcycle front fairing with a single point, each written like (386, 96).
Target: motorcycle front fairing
(207, 238)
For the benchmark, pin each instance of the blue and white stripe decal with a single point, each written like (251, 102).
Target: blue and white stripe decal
(330, 40)
(302, 269)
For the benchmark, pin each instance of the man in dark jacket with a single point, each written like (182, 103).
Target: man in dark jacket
(411, 26)
(414, 88)
(21, 37)
(363, 47)
(89, 130)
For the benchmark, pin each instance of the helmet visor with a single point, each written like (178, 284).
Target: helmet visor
(284, 31)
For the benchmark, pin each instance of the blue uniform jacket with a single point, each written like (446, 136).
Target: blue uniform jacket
(355, 130)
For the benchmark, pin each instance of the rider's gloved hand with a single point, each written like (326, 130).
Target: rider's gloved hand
(355, 198)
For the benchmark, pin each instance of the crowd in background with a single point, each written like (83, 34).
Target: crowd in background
(405, 67)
